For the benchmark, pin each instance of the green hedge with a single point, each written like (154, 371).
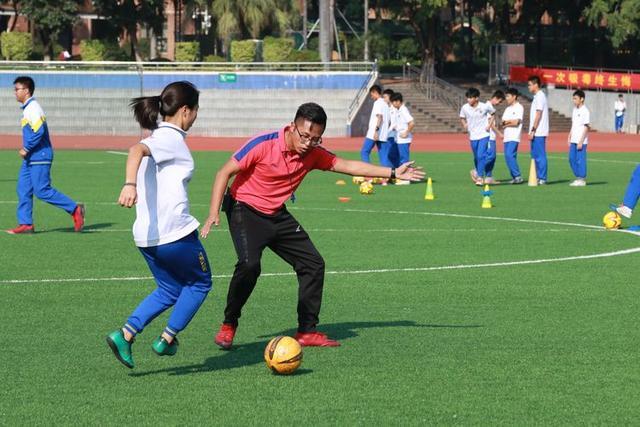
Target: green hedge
(187, 51)
(276, 49)
(16, 46)
(304, 55)
(243, 51)
(214, 58)
(99, 50)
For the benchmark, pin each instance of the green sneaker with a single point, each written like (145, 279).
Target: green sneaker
(162, 348)
(121, 348)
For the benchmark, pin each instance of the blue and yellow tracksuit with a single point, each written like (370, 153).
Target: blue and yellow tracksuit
(35, 173)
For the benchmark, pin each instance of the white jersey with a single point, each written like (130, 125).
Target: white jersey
(393, 120)
(539, 104)
(402, 122)
(379, 108)
(513, 112)
(162, 210)
(620, 106)
(579, 119)
(477, 119)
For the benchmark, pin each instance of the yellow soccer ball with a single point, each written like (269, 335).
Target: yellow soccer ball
(611, 220)
(358, 179)
(283, 355)
(366, 188)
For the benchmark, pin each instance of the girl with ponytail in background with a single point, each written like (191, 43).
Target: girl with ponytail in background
(157, 173)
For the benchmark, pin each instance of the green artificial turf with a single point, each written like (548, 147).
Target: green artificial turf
(520, 344)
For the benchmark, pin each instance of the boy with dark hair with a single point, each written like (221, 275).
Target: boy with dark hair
(578, 139)
(538, 128)
(404, 127)
(496, 99)
(619, 107)
(474, 118)
(512, 126)
(378, 131)
(392, 137)
(37, 155)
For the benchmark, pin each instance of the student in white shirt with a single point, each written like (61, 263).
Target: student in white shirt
(474, 119)
(404, 127)
(494, 132)
(620, 107)
(539, 128)
(157, 173)
(378, 131)
(578, 139)
(392, 135)
(512, 126)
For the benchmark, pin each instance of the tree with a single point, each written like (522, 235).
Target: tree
(127, 15)
(50, 18)
(250, 17)
(423, 18)
(622, 18)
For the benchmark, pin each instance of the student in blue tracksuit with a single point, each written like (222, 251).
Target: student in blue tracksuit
(37, 155)
(491, 153)
(538, 127)
(392, 138)
(158, 171)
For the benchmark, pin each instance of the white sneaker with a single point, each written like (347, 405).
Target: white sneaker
(542, 182)
(489, 180)
(517, 180)
(578, 183)
(624, 211)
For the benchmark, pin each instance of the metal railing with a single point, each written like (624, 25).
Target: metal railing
(188, 66)
(434, 88)
(360, 97)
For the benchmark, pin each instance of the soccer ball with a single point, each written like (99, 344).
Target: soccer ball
(366, 188)
(283, 355)
(612, 220)
(358, 180)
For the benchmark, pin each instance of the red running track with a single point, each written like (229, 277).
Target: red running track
(598, 142)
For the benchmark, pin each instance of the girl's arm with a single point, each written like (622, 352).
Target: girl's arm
(128, 194)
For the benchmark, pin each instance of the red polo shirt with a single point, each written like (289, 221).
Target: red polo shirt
(270, 173)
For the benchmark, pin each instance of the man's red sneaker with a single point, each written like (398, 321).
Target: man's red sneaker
(224, 337)
(315, 339)
(22, 229)
(78, 217)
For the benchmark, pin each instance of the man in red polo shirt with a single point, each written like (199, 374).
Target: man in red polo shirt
(267, 171)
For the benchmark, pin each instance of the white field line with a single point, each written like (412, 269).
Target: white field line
(391, 270)
(350, 272)
(120, 153)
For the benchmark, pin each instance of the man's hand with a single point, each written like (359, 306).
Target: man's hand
(206, 228)
(375, 136)
(409, 172)
(23, 153)
(128, 196)
(404, 134)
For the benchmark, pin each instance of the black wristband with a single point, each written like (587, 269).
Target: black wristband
(393, 173)
(132, 184)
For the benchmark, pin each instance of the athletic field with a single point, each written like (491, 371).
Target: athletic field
(523, 314)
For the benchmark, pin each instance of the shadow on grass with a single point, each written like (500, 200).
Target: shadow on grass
(87, 228)
(252, 353)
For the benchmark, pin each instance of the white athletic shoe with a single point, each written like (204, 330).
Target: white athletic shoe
(517, 180)
(489, 180)
(578, 183)
(624, 211)
(542, 182)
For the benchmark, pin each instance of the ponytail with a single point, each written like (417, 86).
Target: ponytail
(174, 96)
(146, 110)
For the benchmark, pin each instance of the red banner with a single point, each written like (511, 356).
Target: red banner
(578, 79)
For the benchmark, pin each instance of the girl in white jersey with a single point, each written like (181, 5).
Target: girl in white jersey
(158, 171)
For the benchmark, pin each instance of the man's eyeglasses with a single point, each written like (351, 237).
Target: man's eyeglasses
(314, 142)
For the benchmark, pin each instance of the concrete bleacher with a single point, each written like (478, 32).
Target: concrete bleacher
(224, 110)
